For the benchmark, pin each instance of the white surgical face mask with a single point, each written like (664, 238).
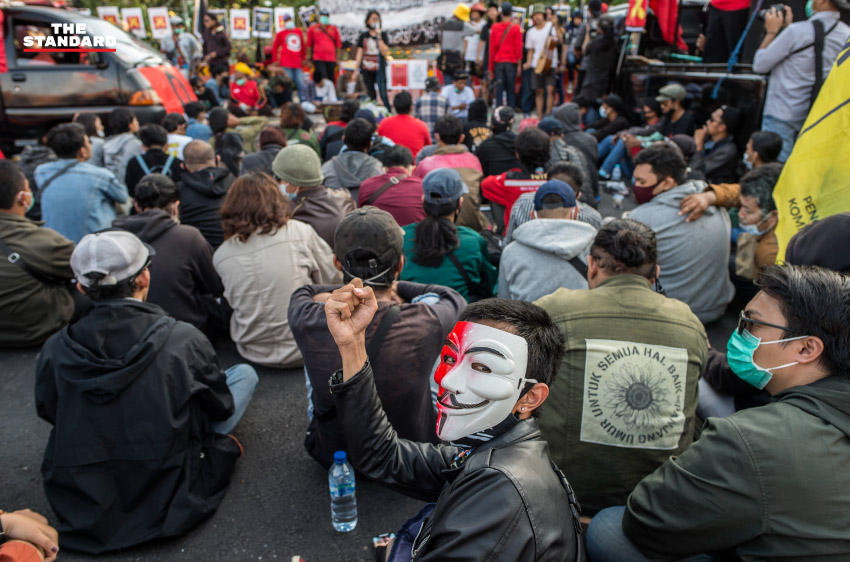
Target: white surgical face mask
(481, 377)
(747, 163)
(289, 24)
(603, 113)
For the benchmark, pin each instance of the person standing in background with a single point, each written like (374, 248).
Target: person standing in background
(288, 52)
(470, 48)
(372, 48)
(216, 43)
(505, 55)
(323, 45)
(726, 22)
(452, 38)
(482, 56)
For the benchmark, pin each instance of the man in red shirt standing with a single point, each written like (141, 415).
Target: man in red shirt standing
(289, 52)
(323, 45)
(727, 20)
(404, 129)
(505, 46)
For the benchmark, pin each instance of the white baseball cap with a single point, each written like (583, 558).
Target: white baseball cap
(109, 257)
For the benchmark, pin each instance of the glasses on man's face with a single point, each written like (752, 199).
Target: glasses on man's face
(747, 324)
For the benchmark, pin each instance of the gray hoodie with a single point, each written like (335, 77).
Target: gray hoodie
(569, 115)
(694, 256)
(537, 263)
(117, 152)
(350, 169)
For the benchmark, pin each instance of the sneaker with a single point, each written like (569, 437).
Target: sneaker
(569, 87)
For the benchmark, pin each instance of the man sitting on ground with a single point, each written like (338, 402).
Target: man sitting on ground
(555, 243)
(561, 151)
(693, 256)
(452, 153)
(369, 245)
(716, 157)
(761, 484)
(77, 198)
(354, 165)
(139, 406)
(628, 390)
(35, 298)
(404, 129)
(498, 153)
(155, 159)
(186, 282)
(196, 125)
(202, 189)
(431, 105)
(397, 191)
(299, 171)
(176, 126)
(271, 141)
(497, 493)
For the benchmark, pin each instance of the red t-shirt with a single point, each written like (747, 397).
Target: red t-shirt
(403, 200)
(288, 48)
(247, 93)
(406, 130)
(324, 42)
(510, 49)
(731, 5)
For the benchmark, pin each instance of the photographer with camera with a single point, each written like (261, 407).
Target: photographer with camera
(798, 57)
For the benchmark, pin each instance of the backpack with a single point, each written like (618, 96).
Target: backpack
(164, 169)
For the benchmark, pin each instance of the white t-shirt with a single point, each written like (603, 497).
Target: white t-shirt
(176, 144)
(472, 41)
(536, 39)
(325, 91)
(465, 96)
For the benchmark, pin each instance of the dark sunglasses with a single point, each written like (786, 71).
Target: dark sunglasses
(745, 323)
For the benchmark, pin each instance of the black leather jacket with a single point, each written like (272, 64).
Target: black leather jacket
(503, 502)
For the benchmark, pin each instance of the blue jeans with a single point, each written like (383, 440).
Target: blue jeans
(605, 146)
(504, 74)
(784, 129)
(606, 541)
(242, 381)
(295, 75)
(617, 154)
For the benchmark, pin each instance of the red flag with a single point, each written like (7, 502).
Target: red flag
(636, 16)
(667, 13)
(4, 67)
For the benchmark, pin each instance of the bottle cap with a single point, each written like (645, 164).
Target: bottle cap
(340, 457)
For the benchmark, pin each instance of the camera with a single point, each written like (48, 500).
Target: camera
(779, 8)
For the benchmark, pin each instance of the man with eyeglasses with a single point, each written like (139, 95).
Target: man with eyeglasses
(768, 483)
(716, 157)
(140, 409)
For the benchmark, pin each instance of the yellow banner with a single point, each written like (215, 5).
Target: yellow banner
(815, 182)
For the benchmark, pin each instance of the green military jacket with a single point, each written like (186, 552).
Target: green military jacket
(625, 396)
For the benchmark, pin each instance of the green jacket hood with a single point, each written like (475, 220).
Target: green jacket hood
(827, 399)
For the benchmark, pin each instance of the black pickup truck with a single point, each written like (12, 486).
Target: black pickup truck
(40, 88)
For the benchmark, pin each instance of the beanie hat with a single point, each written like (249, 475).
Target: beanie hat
(299, 165)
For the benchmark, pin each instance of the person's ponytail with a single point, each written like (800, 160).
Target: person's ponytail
(435, 235)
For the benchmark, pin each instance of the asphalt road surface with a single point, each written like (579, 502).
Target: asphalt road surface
(277, 505)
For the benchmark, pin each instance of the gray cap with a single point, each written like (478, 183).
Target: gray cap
(367, 241)
(109, 257)
(443, 185)
(671, 92)
(299, 165)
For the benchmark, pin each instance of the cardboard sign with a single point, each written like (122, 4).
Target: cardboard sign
(160, 24)
(240, 27)
(110, 14)
(262, 23)
(135, 21)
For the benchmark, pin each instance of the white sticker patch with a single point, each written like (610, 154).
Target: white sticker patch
(634, 394)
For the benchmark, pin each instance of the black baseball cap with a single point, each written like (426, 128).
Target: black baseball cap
(367, 241)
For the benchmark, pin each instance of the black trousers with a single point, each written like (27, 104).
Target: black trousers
(722, 33)
(328, 69)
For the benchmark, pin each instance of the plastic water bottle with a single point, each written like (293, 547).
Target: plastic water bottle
(617, 174)
(343, 501)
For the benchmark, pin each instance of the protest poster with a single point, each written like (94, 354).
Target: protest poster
(110, 14)
(262, 23)
(221, 14)
(279, 12)
(308, 15)
(135, 21)
(160, 24)
(408, 74)
(239, 24)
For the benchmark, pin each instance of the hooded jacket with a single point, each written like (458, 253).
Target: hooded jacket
(694, 256)
(33, 309)
(261, 161)
(769, 483)
(117, 152)
(322, 208)
(498, 154)
(544, 245)
(349, 169)
(182, 272)
(458, 158)
(501, 502)
(569, 115)
(201, 195)
(130, 394)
